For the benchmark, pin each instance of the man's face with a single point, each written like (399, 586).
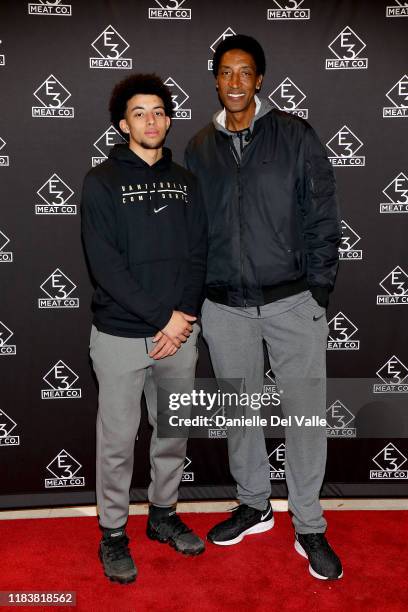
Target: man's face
(237, 80)
(145, 121)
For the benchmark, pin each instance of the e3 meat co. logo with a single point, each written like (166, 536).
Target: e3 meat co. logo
(179, 97)
(52, 94)
(5, 335)
(64, 468)
(398, 95)
(347, 47)
(345, 144)
(49, 7)
(4, 159)
(397, 194)
(394, 377)
(389, 460)
(110, 46)
(340, 421)
(60, 380)
(55, 193)
(58, 289)
(395, 285)
(188, 476)
(228, 32)
(5, 256)
(104, 143)
(277, 463)
(169, 9)
(342, 334)
(7, 425)
(288, 97)
(349, 240)
(288, 9)
(398, 10)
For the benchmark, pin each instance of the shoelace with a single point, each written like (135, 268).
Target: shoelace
(118, 548)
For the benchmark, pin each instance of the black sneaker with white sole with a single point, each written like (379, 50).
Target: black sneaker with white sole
(165, 526)
(244, 521)
(115, 556)
(323, 561)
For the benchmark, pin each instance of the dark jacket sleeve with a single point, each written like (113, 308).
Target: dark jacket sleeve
(321, 218)
(107, 265)
(198, 240)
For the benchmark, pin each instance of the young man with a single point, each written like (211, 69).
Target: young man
(145, 238)
(274, 229)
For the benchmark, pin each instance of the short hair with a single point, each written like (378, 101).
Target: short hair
(148, 84)
(244, 43)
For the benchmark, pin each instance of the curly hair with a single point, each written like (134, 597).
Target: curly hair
(244, 43)
(147, 84)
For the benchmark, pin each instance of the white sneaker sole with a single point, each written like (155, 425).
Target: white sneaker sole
(299, 549)
(259, 528)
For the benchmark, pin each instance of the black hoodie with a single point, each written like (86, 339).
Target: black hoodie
(145, 237)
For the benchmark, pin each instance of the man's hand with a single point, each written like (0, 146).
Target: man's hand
(164, 346)
(170, 338)
(179, 327)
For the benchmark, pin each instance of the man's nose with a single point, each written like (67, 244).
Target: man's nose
(150, 118)
(235, 80)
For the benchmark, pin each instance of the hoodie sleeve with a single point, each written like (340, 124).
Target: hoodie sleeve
(198, 238)
(107, 265)
(321, 218)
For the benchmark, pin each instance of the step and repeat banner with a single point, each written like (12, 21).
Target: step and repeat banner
(340, 64)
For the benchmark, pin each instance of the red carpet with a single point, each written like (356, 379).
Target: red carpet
(261, 573)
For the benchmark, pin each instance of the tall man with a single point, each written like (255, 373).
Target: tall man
(274, 230)
(145, 238)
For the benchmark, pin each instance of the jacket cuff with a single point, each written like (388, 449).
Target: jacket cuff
(321, 295)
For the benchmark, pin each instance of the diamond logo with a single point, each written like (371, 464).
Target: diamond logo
(178, 95)
(397, 190)
(64, 465)
(349, 237)
(344, 143)
(289, 5)
(6, 424)
(52, 93)
(287, 96)
(338, 416)
(5, 334)
(341, 328)
(58, 286)
(108, 139)
(347, 45)
(389, 459)
(110, 44)
(396, 282)
(228, 32)
(55, 192)
(393, 372)
(277, 458)
(2, 143)
(398, 94)
(3, 240)
(60, 376)
(165, 6)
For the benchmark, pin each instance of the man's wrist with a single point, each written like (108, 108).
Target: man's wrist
(321, 295)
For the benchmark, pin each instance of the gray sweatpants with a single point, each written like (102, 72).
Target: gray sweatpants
(124, 370)
(295, 331)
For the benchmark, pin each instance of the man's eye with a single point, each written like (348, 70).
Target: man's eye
(159, 113)
(139, 115)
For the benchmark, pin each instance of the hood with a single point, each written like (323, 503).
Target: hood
(262, 107)
(122, 153)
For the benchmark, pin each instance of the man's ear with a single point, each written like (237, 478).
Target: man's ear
(259, 82)
(124, 126)
(168, 123)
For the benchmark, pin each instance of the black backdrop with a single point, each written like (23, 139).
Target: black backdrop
(342, 61)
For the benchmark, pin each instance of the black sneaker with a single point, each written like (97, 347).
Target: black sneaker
(244, 521)
(170, 529)
(115, 556)
(323, 561)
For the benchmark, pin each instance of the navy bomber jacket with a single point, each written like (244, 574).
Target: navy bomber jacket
(274, 226)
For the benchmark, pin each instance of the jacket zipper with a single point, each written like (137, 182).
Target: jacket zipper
(238, 162)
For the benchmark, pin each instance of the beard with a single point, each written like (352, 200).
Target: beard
(152, 145)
